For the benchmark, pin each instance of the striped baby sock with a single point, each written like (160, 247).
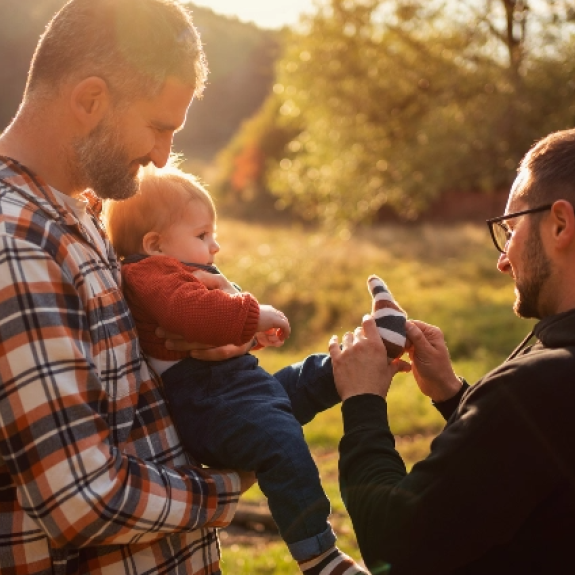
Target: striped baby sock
(332, 562)
(389, 317)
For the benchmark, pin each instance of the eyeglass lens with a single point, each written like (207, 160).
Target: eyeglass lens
(502, 234)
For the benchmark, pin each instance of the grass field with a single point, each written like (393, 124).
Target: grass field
(443, 275)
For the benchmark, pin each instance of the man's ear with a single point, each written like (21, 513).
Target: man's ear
(90, 101)
(151, 243)
(563, 224)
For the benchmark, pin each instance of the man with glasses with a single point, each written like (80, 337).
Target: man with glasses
(496, 495)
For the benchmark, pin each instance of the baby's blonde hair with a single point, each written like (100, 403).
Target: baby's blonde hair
(162, 198)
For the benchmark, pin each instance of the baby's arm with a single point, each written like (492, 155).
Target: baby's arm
(273, 326)
(170, 296)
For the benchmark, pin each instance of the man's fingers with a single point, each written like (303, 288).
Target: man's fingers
(183, 345)
(334, 349)
(415, 334)
(163, 334)
(213, 354)
(347, 339)
(429, 331)
(401, 366)
(369, 328)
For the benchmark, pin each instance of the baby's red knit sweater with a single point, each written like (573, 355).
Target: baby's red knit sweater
(161, 291)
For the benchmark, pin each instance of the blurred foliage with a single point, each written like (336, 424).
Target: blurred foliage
(241, 188)
(445, 275)
(241, 58)
(395, 102)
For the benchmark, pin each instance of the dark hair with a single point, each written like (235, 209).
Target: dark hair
(550, 168)
(134, 45)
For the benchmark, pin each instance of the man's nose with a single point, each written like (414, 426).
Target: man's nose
(162, 149)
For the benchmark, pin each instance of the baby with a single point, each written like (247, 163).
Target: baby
(232, 413)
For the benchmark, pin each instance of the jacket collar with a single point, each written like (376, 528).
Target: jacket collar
(557, 330)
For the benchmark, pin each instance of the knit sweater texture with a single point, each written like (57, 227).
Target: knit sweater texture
(162, 291)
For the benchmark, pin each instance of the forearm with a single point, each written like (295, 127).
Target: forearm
(199, 315)
(369, 470)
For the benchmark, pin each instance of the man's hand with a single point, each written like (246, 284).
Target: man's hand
(202, 351)
(430, 361)
(247, 479)
(272, 318)
(361, 365)
(215, 281)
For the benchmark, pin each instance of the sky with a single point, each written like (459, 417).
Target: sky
(264, 13)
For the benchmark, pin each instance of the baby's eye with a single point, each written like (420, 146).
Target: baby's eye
(203, 235)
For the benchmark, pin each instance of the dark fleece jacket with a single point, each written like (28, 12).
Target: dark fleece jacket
(496, 495)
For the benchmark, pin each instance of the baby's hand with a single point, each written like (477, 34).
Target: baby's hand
(273, 319)
(271, 338)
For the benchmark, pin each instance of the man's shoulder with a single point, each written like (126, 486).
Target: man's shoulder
(539, 380)
(20, 204)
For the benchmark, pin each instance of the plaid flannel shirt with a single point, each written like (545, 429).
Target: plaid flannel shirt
(93, 478)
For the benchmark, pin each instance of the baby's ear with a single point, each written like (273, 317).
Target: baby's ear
(389, 317)
(151, 243)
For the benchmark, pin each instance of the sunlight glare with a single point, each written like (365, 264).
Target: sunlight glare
(264, 13)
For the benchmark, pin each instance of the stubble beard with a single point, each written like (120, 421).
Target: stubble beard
(528, 291)
(101, 163)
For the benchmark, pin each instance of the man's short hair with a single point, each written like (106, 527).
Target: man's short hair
(134, 45)
(550, 168)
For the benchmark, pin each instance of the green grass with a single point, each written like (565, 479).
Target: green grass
(442, 275)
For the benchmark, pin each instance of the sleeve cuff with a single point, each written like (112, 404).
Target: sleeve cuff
(448, 407)
(252, 317)
(228, 488)
(363, 410)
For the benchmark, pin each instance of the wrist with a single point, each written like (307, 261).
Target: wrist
(449, 390)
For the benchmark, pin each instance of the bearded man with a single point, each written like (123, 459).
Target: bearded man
(496, 495)
(93, 476)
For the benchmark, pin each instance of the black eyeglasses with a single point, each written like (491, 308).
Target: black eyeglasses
(500, 232)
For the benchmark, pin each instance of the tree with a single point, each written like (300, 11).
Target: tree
(400, 101)
(243, 165)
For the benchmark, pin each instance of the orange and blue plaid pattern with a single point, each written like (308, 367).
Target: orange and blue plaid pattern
(93, 478)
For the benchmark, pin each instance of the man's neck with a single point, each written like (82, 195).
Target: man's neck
(38, 146)
(558, 294)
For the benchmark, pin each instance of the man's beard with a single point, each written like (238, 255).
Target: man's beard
(101, 162)
(528, 291)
